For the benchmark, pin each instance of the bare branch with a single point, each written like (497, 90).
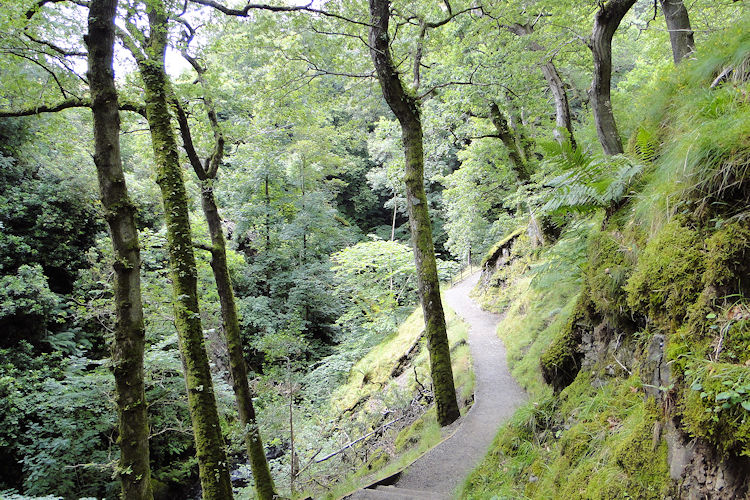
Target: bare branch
(56, 48)
(66, 104)
(244, 12)
(187, 141)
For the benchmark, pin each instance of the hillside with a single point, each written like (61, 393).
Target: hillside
(631, 330)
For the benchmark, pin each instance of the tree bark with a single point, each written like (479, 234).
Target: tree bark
(680, 32)
(264, 485)
(606, 22)
(563, 121)
(516, 156)
(209, 443)
(128, 346)
(406, 108)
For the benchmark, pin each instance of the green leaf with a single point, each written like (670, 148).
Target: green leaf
(722, 396)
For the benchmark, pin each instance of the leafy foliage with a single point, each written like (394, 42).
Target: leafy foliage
(587, 182)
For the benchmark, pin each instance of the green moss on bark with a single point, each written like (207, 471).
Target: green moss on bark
(209, 443)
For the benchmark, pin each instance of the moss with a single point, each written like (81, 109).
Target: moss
(736, 342)
(378, 459)
(668, 276)
(160, 489)
(643, 456)
(714, 406)
(492, 253)
(562, 359)
(575, 443)
(728, 256)
(610, 264)
(409, 436)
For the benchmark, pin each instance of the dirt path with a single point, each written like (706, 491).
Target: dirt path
(497, 395)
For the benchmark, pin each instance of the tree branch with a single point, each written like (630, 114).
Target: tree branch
(244, 12)
(66, 104)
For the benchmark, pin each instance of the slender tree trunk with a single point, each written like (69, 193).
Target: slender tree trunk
(515, 153)
(304, 226)
(267, 215)
(606, 22)
(127, 349)
(261, 474)
(393, 220)
(207, 173)
(293, 459)
(563, 119)
(209, 443)
(406, 109)
(680, 32)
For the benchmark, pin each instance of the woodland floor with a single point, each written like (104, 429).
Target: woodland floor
(497, 395)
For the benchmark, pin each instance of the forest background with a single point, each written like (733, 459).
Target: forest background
(309, 187)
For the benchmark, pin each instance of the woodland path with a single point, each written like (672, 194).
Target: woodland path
(439, 472)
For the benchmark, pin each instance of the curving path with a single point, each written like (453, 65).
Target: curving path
(439, 472)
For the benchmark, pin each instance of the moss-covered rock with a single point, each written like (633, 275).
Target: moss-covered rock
(610, 264)
(728, 258)
(377, 459)
(496, 251)
(409, 436)
(669, 274)
(643, 455)
(716, 406)
(562, 359)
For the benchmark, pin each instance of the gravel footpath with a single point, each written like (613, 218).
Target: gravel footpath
(496, 397)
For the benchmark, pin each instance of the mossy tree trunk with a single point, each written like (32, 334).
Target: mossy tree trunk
(263, 481)
(506, 135)
(209, 443)
(563, 121)
(406, 108)
(207, 172)
(606, 21)
(127, 349)
(680, 32)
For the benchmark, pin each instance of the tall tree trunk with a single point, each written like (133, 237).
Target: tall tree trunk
(406, 109)
(563, 119)
(207, 173)
(127, 350)
(680, 32)
(516, 155)
(264, 485)
(209, 443)
(606, 22)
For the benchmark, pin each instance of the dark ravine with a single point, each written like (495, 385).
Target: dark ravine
(439, 472)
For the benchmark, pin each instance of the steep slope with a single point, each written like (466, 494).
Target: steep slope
(631, 332)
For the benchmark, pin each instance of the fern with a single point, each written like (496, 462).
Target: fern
(586, 181)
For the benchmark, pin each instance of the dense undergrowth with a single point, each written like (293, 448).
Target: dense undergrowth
(631, 331)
